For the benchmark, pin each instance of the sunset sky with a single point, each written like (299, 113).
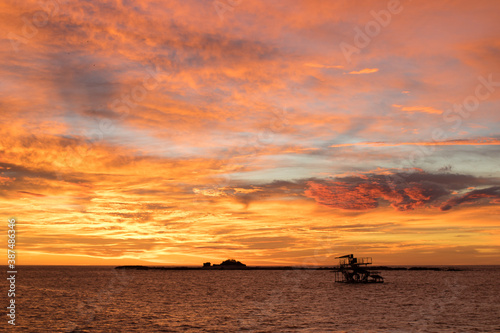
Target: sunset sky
(273, 132)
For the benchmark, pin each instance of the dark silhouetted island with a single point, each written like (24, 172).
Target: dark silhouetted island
(226, 264)
(232, 264)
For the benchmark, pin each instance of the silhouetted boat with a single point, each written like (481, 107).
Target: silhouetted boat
(352, 270)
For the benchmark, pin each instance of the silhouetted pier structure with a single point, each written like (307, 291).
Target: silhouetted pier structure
(354, 270)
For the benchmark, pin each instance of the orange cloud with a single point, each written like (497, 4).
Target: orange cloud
(324, 66)
(474, 196)
(404, 191)
(424, 109)
(365, 71)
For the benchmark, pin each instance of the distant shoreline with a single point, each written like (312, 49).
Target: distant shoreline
(284, 268)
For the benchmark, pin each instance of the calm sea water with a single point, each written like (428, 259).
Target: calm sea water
(101, 299)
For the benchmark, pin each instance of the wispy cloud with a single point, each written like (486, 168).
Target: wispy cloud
(324, 66)
(457, 142)
(424, 109)
(365, 71)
